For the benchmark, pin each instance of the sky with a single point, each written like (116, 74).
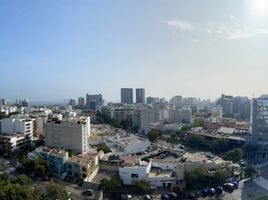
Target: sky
(59, 49)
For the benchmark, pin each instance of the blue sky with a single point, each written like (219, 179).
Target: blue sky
(57, 49)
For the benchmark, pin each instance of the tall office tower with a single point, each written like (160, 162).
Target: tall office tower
(69, 134)
(72, 103)
(176, 100)
(226, 102)
(94, 98)
(241, 108)
(152, 100)
(127, 95)
(259, 125)
(140, 95)
(81, 102)
(3, 102)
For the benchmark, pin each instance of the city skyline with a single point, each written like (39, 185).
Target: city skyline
(53, 50)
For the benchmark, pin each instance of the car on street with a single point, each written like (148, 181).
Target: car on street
(88, 192)
(219, 190)
(165, 197)
(147, 197)
(211, 191)
(172, 195)
(229, 186)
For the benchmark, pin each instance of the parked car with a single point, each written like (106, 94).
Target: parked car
(235, 184)
(88, 192)
(229, 186)
(125, 197)
(211, 191)
(172, 195)
(192, 195)
(147, 197)
(6, 163)
(205, 192)
(219, 190)
(165, 197)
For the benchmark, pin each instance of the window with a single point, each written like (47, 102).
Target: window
(134, 175)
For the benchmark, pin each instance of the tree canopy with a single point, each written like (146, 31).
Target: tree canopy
(21, 189)
(111, 185)
(198, 122)
(196, 179)
(219, 145)
(196, 141)
(142, 187)
(103, 147)
(154, 135)
(234, 155)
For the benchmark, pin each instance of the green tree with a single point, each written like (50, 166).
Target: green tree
(24, 180)
(198, 123)
(142, 187)
(219, 177)
(196, 179)
(4, 177)
(219, 145)
(234, 155)
(103, 147)
(154, 135)
(185, 128)
(196, 141)
(16, 192)
(173, 139)
(111, 185)
(55, 191)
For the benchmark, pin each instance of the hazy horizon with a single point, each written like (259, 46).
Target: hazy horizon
(54, 50)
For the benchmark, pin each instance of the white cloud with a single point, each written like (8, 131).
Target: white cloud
(181, 25)
(232, 29)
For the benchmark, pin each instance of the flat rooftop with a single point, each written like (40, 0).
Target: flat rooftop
(157, 173)
(201, 157)
(84, 158)
(218, 136)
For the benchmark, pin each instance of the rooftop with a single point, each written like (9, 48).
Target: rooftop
(157, 173)
(218, 136)
(84, 158)
(54, 151)
(226, 130)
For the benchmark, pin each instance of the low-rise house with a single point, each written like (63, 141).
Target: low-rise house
(83, 166)
(56, 158)
(128, 143)
(133, 170)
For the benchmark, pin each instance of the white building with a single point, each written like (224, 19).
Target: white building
(134, 170)
(71, 134)
(17, 125)
(12, 143)
(128, 143)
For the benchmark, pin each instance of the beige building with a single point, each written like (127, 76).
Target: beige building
(70, 134)
(83, 166)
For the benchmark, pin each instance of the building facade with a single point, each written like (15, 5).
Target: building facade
(56, 158)
(259, 125)
(71, 134)
(140, 95)
(127, 95)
